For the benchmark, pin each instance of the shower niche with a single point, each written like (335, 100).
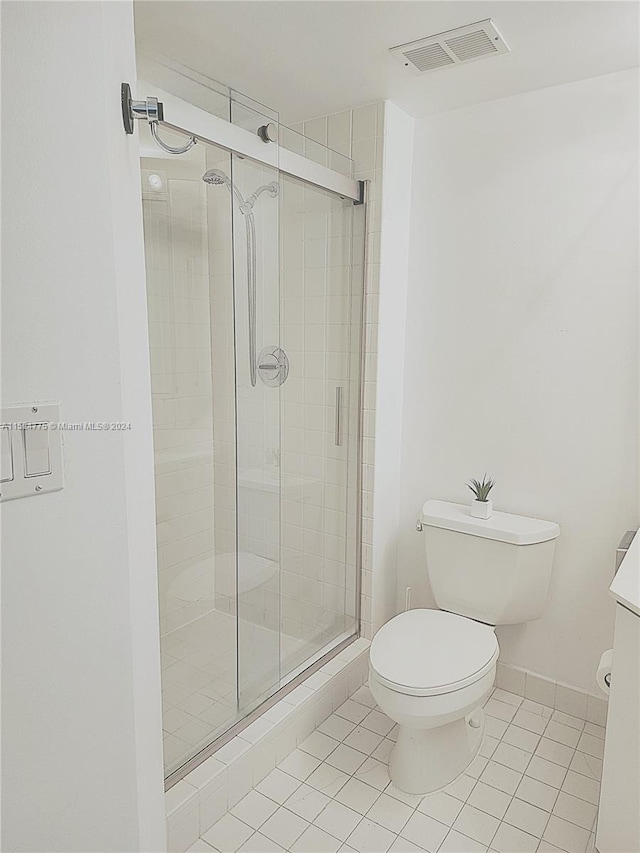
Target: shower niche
(254, 286)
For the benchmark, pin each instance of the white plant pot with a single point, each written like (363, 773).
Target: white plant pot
(482, 509)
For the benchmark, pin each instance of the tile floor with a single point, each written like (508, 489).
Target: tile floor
(532, 789)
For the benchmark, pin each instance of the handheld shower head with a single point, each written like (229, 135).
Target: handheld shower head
(216, 177)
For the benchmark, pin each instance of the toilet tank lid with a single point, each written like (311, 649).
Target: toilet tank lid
(502, 526)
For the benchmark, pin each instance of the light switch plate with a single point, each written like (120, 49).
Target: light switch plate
(31, 450)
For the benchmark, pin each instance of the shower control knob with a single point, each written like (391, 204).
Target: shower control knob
(268, 132)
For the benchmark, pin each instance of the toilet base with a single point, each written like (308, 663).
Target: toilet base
(425, 760)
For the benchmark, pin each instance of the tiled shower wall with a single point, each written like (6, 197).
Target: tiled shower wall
(175, 219)
(359, 134)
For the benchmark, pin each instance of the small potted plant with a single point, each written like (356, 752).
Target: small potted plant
(481, 507)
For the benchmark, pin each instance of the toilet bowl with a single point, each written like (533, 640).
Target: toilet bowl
(430, 671)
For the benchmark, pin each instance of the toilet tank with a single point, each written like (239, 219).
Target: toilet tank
(495, 570)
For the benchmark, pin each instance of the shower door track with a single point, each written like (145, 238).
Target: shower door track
(211, 748)
(198, 124)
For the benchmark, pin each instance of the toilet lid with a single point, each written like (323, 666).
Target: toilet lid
(427, 652)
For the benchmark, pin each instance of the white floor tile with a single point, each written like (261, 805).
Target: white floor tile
(441, 806)
(357, 796)
(477, 766)
(512, 756)
(412, 800)
(500, 710)
(403, 845)
(476, 824)
(547, 847)
(363, 740)
(378, 723)
(567, 836)
(568, 720)
(278, 786)
(488, 746)
(336, 727)
(315, 840)
(306, 802)
(461, 787)
(526, 817)
(327, 779)
(495, 727)
(537, 793)
(228, 834)
(455, 842)
(346, 759)
(333, 793)
(424, 831)
(390, 813)
(530, 721)
(284, 827)
(591, 745)
(587, 765)
(593, 729)
(575, 810)
(200, 846)
(338, 819)
(259, 843)
(368, 836)
(374, 773)
(582, 787)
(489, 800)
(254, 809)
(521, 738)
(299, 764)
(319, 745)
(501, 777)
(510, 839)
(546, 771)
(364, 697)
(558, 753)
(505, 696)
(383, 751)
(562, 734)
(352, 711)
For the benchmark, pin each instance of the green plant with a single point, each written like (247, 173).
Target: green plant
(481, 489)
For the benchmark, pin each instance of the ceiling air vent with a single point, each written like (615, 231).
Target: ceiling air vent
(453, 47)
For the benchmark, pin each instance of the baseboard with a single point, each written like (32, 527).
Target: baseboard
(554, 694)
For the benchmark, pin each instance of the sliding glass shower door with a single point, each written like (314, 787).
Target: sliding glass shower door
(255, 335)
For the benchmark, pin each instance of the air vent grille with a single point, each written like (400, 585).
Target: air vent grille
(429, 57)
(453, 47)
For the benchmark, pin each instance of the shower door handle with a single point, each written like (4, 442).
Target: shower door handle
(338, 421)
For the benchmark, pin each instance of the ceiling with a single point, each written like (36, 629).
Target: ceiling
(307, 58)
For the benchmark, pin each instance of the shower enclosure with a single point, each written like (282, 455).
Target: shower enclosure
(255, 293)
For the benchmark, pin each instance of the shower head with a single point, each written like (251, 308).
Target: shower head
(216, 177)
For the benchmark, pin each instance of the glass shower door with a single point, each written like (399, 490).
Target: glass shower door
(318, 424)
(260, 371)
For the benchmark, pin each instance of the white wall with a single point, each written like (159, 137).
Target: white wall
(82, 748)
(391, 307)
(521, 343)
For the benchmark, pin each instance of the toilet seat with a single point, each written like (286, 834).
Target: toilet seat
(431, 652)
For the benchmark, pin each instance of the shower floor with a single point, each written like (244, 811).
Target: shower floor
(199, 678)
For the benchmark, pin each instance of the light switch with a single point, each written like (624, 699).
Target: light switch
(36, 450)
(31, 450)
(6, 457)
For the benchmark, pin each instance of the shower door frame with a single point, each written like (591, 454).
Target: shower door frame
(192, 121)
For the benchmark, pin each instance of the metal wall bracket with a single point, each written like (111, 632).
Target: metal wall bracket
(149, 109)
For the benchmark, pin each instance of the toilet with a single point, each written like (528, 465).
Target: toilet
(431, 670)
